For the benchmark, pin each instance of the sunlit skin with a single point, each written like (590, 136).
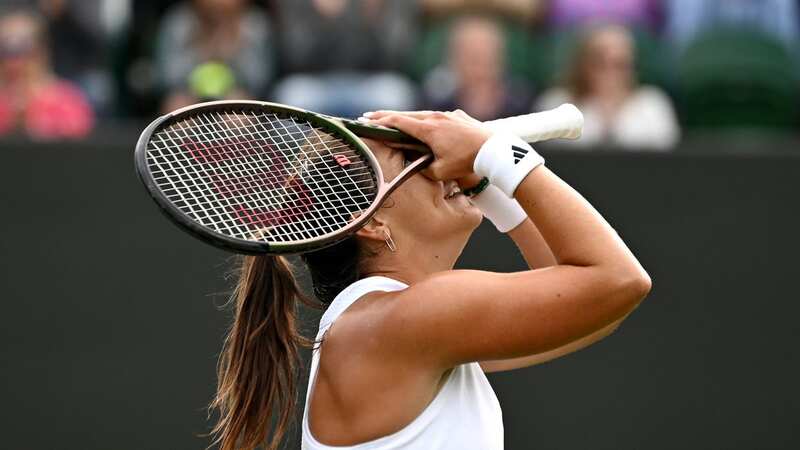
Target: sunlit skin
(428, 229)
(386, 356)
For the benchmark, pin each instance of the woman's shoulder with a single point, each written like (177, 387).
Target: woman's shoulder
(362, 303)
(375, 303)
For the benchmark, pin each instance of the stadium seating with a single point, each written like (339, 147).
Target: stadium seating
(738, 78)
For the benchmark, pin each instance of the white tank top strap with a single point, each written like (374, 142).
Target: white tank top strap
(354, 292)
(464, 414)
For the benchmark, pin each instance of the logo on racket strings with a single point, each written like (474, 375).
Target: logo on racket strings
(248, 174)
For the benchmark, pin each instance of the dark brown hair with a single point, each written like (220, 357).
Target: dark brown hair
(260, 362)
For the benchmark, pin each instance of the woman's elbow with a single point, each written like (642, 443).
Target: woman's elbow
(631, 286)
(637, 285)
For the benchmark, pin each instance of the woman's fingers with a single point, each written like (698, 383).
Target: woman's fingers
(453, 137)
(375, 115)
(464, 116)
(422, 115)
(407, 124)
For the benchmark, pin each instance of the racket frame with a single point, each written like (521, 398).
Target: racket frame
(340, 128)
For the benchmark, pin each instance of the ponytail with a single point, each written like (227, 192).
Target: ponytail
(258, 366)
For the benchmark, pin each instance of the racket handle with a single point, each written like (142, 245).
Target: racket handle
(565, 122)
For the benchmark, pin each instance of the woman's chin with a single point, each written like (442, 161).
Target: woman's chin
(468, 214)
(472, 214)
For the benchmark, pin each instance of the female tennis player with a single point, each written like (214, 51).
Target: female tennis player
(405, 341)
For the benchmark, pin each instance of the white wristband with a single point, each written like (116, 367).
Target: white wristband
(505, 213)
(506, 160)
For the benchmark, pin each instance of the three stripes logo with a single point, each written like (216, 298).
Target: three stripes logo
(519, 153)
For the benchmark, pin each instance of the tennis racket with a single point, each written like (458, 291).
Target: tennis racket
(255, 177)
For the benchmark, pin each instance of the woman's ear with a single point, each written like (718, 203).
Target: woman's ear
(374, 231)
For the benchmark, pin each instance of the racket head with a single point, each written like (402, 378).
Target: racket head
(179, 180)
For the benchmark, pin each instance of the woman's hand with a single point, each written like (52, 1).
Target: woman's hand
(454, 137)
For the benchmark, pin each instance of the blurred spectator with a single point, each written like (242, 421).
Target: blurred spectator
(602, 83)
(345, 54)
(79, 32)
(32, 97)
(213, 49)
(475, 78)
(74, 47)
(138, 89)
(634, 13)
(521, 10)
(688, 18)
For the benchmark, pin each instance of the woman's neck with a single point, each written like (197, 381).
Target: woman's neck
(411, 265)
(408, 276)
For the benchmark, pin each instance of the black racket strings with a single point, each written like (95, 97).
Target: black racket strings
(259, 176)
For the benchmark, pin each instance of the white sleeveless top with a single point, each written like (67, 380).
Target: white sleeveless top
(464, 415)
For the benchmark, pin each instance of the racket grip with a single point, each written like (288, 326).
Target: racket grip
(564, 122)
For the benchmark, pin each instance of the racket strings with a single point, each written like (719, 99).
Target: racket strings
(239, 216)
(249, 217)
(260, 176)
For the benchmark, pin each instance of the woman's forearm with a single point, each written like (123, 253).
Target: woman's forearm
(574, 231)
(525, 235)
(532, 245)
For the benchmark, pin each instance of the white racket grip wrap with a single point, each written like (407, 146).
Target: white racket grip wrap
(505, 213)
(506, 160)
(564, 122)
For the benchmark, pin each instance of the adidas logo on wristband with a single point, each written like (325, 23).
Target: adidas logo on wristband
(505, 160)
(518, 152)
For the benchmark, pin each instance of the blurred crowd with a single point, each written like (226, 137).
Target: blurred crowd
(640, 70)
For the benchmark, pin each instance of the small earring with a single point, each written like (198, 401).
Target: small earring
(389, 241)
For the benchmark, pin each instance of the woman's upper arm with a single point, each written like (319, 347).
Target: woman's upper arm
(462, 316)
(500, 365)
